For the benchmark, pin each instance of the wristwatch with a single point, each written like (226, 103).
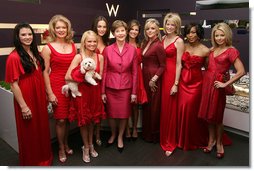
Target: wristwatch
(176, 83)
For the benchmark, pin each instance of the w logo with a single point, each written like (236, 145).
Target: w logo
(112, 9)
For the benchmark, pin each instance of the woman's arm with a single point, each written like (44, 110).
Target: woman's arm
(45, 53)
(26, 112)
(74, 63)
(180, 49)
(101, 58)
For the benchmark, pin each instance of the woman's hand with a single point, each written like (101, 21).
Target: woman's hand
(133, 98)
(174, 90)
(26, 113)
(52, 99)
(218, 84)
(104, 98)
(153, 86)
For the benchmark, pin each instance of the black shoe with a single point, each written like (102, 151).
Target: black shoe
(120, 149)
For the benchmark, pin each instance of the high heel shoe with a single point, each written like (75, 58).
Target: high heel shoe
(208, 150)
(86, 157)
(62, 157)
(69, 151)
(219, 155)
(168, 153)
(93, 153)
(120, 149)
(98, 142)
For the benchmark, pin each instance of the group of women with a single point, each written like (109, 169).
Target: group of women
(163, 74)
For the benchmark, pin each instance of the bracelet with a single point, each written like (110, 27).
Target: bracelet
(154, 80)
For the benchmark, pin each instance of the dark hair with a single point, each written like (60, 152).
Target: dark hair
(130, 25)
(199, 30)
(25, 58)
(105, 37)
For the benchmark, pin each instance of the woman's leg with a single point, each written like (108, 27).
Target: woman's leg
(122, 126)
(98, 134)
(68, 150)
(135, 121)
(60, 133)
(212, 138)
(85, 138)
(219, 145)
(90, 140)
(112, 124)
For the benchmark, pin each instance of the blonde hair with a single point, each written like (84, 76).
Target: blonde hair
(84, 37)
(176, 19)
(226, 30)
(52, 25)
(148, 23)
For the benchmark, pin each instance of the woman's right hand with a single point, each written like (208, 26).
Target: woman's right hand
(26, 112)
(153, 86)
(52, 99)
(104, 98)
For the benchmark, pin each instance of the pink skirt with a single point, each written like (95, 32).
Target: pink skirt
(118, 103)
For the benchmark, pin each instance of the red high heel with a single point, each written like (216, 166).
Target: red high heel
(207, 150)
(219, 155)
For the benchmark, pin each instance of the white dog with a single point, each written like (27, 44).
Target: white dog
(87, 67)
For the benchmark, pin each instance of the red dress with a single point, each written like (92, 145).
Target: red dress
(192, 132)
(89, 107)
(33, 135)
(59, 64)
(153, 63)
(214, 100)
(168, 126)
(141, 92)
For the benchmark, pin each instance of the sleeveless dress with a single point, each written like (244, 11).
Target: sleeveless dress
(192, 132)
(89, 107)
(59, 64)
(168, 127)
(141, 92)
(213, 100)
(34, 134)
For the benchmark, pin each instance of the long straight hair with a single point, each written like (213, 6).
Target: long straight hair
(25, 58)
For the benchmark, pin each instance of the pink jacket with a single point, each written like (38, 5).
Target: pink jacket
(120, 69)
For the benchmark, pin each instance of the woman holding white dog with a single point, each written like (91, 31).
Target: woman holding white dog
(87, 108)
(119, 83)
(58, 55)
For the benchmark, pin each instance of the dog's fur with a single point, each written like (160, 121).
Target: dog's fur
(87, 67)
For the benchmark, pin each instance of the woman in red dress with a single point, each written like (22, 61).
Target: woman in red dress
(153, 59)
(213, 100)
(132, 38)
(101, 27)
(88, 108)
(119, 85)
(174, 47)
(58, 55)
(192, 132)
(24, 68)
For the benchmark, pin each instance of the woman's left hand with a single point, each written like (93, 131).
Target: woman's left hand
(173, 90)
(218, 84)
(133, 98)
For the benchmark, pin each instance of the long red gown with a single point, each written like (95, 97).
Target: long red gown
(141, 92)
(87, 108)
(192, 131)
(59, 64)
(214, 100)
(33, 135)
(168, 126)
(153, 63)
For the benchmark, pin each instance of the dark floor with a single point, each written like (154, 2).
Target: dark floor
(141, 153)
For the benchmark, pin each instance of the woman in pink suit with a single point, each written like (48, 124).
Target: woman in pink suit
(153, 58)
(174, 47)
(213, 100)
(119, 85)
(192, 131)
